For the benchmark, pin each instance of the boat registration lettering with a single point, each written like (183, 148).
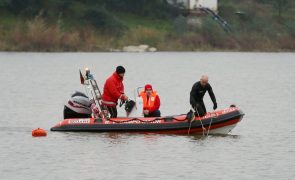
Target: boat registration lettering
(212, 115)
(79, 121)
(228, 110)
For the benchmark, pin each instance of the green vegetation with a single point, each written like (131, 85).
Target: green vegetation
(101, 25)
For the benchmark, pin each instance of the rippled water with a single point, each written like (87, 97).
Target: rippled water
(34, 87)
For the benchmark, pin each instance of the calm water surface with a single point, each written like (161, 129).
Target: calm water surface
(34, 87)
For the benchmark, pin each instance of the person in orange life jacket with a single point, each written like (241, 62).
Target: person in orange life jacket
(151, 102)
(114, 90)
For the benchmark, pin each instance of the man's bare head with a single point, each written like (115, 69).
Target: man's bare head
(204, 80)
(87, 70)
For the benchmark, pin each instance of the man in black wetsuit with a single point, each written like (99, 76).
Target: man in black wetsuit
(197, 93)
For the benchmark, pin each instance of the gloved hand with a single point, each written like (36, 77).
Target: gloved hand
(124, 97)
(145, 112)
(95, 110)
(215, 106)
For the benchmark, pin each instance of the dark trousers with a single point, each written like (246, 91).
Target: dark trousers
(155, 113)
(113, 111)
(68, 114)
(200, 108)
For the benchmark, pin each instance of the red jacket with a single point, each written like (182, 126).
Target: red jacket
(113, 90)
(150, 104)
(156, 105)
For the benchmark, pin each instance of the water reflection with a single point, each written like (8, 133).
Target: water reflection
(201, 137)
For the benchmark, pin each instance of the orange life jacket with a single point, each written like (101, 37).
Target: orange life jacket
(148, 103)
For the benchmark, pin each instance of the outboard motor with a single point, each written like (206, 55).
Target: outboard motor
(78, 106)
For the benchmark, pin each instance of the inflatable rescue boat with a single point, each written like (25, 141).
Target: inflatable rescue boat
(218, 122)
(78, 116)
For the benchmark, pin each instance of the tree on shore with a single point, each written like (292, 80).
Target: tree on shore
(280, 6)
(100, 14)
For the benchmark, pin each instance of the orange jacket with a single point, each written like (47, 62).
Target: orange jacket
(151, 103)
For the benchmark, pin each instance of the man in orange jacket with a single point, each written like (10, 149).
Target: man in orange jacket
(151, 102)
(114, 90)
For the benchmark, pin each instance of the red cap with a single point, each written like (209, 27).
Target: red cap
(148, 87)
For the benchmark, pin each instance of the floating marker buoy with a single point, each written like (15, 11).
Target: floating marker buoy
(39, 132)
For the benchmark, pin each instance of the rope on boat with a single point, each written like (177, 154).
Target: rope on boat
(191, 120)
(134, 119)
(201, 122)
(168, 118)
(210, 124)
(204, 129)
(190, 125)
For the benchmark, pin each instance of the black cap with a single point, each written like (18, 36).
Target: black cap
(120, 70)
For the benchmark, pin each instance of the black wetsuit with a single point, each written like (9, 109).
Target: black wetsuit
(196, 97)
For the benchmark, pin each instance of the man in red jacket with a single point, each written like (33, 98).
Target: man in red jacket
(151, 102)
(114, 90)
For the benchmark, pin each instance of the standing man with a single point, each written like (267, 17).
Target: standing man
(197, 93)
(151, 102)
(114, 90)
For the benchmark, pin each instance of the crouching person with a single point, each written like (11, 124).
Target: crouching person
(78, 106)
(151, 102)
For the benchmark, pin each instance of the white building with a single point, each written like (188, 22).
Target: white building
(195, 4)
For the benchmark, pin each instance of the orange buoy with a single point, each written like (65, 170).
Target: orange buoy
(39, 132)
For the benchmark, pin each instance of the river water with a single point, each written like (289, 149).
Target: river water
(34, 87)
